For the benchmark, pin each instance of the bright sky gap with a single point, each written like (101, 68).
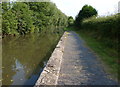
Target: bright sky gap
(72, 7)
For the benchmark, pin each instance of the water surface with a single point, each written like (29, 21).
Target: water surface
(24, 57)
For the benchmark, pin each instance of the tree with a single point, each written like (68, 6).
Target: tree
(70, 21)
(30, 17)
(9, 24)
(86, 12)
(47, 15)
(24, 18)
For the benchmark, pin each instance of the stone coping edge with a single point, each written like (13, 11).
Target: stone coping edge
(50, 73)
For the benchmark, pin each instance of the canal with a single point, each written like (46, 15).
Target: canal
(24, 57)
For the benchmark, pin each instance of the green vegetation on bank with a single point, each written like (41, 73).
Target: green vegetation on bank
(29, 17)
(104, 29)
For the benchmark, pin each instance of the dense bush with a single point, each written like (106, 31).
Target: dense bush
(104, 29)
(30, 17)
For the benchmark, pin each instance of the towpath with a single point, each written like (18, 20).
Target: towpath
(80, 65)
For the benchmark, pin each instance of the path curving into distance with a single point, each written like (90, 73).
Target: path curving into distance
(80, 65)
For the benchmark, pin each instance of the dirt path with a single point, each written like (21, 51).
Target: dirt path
(80, 66)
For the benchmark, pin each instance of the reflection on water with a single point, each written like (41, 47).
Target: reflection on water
(24, 57)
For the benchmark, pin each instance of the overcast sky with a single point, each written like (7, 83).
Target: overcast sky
(72, 7)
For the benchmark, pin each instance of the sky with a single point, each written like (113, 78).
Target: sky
(72, 7)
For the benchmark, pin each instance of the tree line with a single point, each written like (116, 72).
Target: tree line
(104, 29)
(29, 17)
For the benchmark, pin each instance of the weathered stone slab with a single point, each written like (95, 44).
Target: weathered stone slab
(50, 73)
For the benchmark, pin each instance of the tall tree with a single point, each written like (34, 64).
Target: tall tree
(70, 21)
(86, 12)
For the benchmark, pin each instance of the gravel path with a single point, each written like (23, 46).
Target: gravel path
(80, 66)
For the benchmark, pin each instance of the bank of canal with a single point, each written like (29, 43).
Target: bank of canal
(24, 57)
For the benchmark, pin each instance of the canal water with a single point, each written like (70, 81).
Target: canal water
(24, 57)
